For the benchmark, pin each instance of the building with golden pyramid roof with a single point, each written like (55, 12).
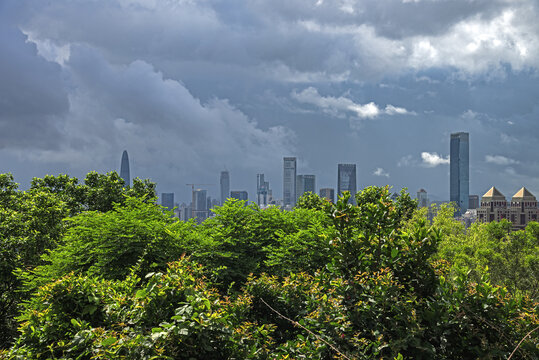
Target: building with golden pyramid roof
(521, 210)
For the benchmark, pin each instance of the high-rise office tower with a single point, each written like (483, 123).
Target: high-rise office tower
(459, 171)
(124, 169)
(225, 186)
(289, 181)
(167, 200)
(240, 195)
(200, 206)
(269, 193)
(305, 183)
(262, 189)
(346, 180)
(328, 193)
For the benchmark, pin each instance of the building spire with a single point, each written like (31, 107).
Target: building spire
(124, 169)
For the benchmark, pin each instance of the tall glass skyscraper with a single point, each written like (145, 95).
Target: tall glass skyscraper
(124, 169)
(346, 180)
(459, 171)
(225, 186)
(289, 181)
(262, 189)
(167, 200)
(200, 205)
(305, 183)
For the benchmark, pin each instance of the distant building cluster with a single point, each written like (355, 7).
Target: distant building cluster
(520, 211)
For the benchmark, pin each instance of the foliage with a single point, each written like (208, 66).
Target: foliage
(324, 281)
(172, 315)
(509, 258)
(99, 193)
(177, 314)
(246, 239)
(312, 201)
(109, 245)
(30, 223)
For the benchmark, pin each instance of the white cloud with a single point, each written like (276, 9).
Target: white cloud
(510, 171)
(394, 110)
(433, 159)
(406, 161)
(479, 44)
(380, 172)
(338, 105)
(469, 115)
(500, 160)
(508, 139)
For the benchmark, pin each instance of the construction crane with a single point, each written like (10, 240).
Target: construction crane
(193, 197)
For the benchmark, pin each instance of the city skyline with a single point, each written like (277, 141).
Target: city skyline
(191, 88)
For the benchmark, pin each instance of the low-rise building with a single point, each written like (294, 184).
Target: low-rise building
(520, 211)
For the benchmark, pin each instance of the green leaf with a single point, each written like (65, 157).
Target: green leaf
(207, 303)
(141, 293)
(89, 309)
(108, 341)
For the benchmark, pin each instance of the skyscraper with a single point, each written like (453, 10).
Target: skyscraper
(167, 200)
(289, 181)
(240, 195)
(346, 180)
(305, 183)
(200, 205)
(328, 193)
(459, 171)
(262, 189)
(124, 169)
(225, 186)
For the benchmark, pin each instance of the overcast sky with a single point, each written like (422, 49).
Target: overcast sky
(190, 87)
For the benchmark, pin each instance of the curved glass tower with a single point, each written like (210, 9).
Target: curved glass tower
(124, 169)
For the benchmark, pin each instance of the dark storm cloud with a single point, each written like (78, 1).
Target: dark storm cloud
(169, 132)
(390, 18)
(32, 94)
(309, 40)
